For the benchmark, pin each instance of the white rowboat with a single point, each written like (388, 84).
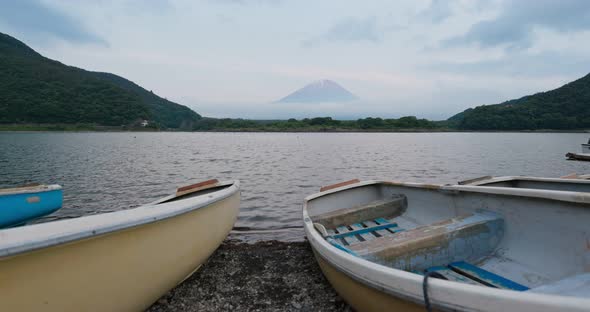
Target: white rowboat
(493, 248)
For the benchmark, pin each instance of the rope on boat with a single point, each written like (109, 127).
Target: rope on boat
(428, 274)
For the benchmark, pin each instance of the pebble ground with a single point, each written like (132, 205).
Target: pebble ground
(262, 276)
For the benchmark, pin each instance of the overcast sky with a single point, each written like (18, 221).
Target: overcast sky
(234, 58)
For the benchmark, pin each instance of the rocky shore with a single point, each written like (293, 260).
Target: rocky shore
(262, 276)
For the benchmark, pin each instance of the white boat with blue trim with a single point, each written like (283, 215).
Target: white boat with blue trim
(483, 248)
(119, 261)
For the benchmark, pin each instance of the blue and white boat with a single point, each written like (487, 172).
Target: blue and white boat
(21, 204)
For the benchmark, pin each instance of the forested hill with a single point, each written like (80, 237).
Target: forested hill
(35, 89)
(567, 107)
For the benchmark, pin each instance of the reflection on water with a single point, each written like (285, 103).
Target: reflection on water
(103, 172)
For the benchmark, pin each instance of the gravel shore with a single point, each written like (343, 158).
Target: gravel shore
(262, 276)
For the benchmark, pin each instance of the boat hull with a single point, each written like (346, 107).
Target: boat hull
(124, 270)
(360, 296)
(19, 207)
(576, 156)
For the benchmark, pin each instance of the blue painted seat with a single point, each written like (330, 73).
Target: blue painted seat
(358, 229)
(344, 236)
(363, 231)
(464, 272)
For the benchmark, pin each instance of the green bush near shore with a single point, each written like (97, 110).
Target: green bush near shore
(315, 124)
(318, 124)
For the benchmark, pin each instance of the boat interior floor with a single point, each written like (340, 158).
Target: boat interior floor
(461, 249)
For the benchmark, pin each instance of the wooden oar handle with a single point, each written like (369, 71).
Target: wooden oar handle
(570, 176)
(195, 187)
(333, 186)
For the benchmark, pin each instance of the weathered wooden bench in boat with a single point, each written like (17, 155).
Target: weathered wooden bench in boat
(119, 261)
(485, 248)
(578, 184)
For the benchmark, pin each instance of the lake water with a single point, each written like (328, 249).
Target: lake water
(103, 172)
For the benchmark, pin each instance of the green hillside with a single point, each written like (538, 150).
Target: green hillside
(35, 89)
(567, 107)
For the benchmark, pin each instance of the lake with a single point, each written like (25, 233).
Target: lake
(103, 172)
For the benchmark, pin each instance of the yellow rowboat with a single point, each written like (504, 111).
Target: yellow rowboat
(394, 246)
(119, 261)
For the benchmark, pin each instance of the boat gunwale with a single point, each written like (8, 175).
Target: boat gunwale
(442, 293)
(568, 196)
(14, 241)
(29, 189)
(527, 178)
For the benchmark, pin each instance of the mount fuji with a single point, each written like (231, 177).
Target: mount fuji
(319, 91)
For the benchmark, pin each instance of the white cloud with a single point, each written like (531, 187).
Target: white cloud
(514, 26)
(349, 29)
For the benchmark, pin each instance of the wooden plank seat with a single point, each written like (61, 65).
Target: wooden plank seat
(366, 232)
(469, 237)
(363, 231)
(464, 272)
(344, 236)
(382, 208)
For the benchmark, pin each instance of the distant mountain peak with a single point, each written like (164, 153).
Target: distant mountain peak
(324, 90)
(323, 83)
(12, 46)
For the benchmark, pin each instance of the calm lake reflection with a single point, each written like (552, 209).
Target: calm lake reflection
(103, 172)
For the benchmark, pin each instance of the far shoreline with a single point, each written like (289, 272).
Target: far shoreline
(16, 130)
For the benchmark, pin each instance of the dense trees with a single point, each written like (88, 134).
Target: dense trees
(34, 89)
(567, 107)
(314, 124)
(164, 112)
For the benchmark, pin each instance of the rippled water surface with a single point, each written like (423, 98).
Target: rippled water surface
(103, 172)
